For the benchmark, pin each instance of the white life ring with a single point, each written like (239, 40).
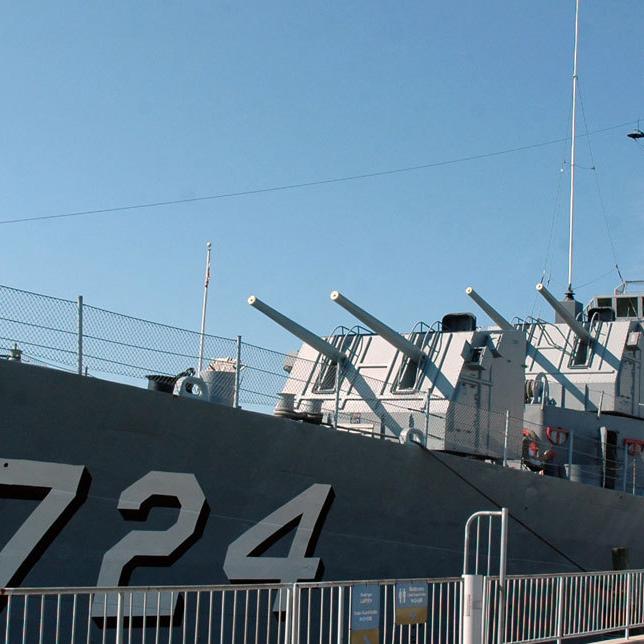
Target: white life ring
(411, 435)
(191, 387)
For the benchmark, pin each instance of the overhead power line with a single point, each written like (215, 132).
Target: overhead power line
(305, 184)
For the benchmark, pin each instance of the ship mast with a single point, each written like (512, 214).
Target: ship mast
(569, 293)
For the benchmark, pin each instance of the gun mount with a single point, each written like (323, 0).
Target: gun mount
(308, 337)
(492, 313)
(393, 337)
(565, 315)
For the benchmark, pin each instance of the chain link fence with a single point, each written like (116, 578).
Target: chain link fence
(77, 337)
(44, 328)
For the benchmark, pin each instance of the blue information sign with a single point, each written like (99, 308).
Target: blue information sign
(365, 614)
(411, 602)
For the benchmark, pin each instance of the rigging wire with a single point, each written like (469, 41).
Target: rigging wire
(602, 205)
(498, 503)
(305, 184)
(606, 274)
(547, 264)
(546, 273)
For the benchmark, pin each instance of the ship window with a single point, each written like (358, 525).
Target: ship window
(477, 354)
(408, 373)
(349, 344)
(326, 379)
(581, 354)
(408, 376)
(626, 307)
(605, 302)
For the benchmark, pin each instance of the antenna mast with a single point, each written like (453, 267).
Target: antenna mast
(569, 293)
(204, 305)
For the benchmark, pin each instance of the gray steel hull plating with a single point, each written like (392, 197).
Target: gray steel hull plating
(396, 511)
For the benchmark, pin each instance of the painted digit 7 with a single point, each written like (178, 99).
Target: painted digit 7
(40, 528)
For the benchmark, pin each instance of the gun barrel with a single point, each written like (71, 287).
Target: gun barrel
(393, 337)
(492, 313)
(576, 327)
(308, 337)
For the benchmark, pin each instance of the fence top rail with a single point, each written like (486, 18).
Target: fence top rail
(379, 582)
(77, 590)
(92, 590)
(566, 575)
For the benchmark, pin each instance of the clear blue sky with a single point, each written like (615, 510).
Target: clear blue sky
(116, 103)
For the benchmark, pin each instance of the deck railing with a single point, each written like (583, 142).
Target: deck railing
(557, 607)
(537, 608)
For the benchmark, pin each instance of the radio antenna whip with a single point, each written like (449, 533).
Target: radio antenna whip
(204, 306)
(573, 146)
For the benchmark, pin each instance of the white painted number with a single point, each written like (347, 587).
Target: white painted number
(243, 561)
(141, 545)
(63, 485)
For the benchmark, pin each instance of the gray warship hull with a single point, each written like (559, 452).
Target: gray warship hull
(281, 500)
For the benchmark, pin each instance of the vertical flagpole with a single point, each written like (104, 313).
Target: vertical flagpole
(573, 151)
(202, 332)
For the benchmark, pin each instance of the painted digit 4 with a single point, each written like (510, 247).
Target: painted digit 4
(243, 561)
(141, 545)
(63, 483)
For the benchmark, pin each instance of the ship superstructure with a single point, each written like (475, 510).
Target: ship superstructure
(573, 386)
(447, 386)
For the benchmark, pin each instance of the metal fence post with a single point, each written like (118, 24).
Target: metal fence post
(338, 382)
(473, 617)
(503, 558)
(627, 621)
(571, 438)
(485, 611)
(288, 618)
(80, 335)
(427, 419)
(237, 373)
(505, 438)
(340, 614)
(560, 605)
(625, 465)
(295, 615)
(118, 639)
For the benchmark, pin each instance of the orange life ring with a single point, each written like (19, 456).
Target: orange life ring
(635, 446)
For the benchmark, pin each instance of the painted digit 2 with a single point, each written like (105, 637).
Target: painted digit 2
(42, 525)
(146, 544)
